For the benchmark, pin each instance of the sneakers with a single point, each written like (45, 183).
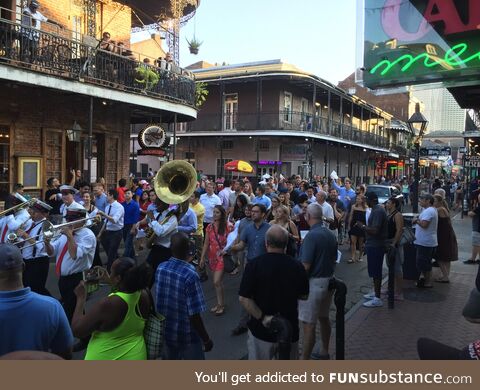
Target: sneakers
(374, 302)
(370, 295)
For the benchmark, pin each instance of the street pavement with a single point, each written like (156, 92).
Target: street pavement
(379, 333)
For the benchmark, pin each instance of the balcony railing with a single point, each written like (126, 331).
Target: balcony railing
(284, 121)
(55, 54)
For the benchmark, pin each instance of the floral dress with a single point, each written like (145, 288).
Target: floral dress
(216, 243)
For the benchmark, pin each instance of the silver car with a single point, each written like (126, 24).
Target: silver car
(385, 192)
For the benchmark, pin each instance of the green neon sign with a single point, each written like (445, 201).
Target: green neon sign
(453, 58)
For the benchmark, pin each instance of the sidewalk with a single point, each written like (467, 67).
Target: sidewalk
(383, 333)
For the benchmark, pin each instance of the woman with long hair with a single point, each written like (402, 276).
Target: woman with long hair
(282, 218)
(247, 189)
(357, 235)
(215, 242)
(271, 212)
(116, 322)
(447, 250)
(239, 208)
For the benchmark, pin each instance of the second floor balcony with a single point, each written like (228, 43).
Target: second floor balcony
(67, 55)
(285, 122)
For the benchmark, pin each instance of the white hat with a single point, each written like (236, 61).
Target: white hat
(266, 176)
(68, 188)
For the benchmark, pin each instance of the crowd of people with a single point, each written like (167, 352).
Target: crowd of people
(282, 235)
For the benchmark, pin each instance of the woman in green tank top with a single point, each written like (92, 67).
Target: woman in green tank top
(116, 323)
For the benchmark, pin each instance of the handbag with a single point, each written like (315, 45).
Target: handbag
(153, 332)
(228, 263)
(408, 236)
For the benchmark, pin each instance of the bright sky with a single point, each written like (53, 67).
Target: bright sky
(317, 36)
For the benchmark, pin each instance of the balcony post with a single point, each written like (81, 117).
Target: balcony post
(259, 102)
(222, 106)
(89, 143)
(329, 111)
(174, 146)
(341, 117)
(314, 119)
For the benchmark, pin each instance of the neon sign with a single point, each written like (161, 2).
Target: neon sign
(452, 59)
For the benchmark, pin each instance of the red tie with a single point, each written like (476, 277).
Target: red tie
(5, 230)
(58, 267)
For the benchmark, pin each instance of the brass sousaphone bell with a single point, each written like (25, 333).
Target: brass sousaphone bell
(174, 183)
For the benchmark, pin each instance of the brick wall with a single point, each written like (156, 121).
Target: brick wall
(111, 16)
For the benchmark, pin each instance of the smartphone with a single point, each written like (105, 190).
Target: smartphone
(91, 278)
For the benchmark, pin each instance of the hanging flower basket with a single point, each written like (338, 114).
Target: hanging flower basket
(194, 45)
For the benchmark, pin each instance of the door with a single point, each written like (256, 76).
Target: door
(230, 113)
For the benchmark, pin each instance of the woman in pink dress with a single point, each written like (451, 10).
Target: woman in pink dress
(215, 242)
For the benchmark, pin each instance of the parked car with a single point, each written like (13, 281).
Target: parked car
(385, 192)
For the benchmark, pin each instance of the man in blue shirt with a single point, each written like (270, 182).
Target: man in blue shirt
(345, 194)
(100, 197)
(261, 198)
(29, 321)
(131, 217)
(180, 299)
(188, 223)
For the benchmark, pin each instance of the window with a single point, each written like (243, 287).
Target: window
(4, 162)
(230, 111)
(287, 107)
(263, 145)
(225, 145)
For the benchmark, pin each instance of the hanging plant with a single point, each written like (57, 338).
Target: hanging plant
(194, 45)
(201, 93)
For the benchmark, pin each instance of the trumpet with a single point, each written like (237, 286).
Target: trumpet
(18, 207)
(52, 232)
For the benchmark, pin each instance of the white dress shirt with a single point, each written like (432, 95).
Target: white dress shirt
(86, 243)
(163, 231)
(11, 223)
(117, 212)
(37, 250)
(209, 202)
(224, 196)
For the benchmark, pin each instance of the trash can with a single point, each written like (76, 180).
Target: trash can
(410, 271)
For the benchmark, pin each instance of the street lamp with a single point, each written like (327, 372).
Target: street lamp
(417, 125)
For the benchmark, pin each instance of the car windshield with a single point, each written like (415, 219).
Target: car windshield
(381, 192)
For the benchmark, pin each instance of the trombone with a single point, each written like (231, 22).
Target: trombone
(20, 206)
(51, 231)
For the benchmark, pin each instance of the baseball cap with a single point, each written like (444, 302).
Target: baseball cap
(10, 257)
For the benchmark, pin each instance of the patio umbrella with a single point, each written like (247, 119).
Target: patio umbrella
(239, 166)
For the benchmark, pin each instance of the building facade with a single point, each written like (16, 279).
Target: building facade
(67, 103)
(284, 120)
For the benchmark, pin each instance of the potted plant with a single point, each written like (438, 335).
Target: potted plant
(194, 45)
(201, 93)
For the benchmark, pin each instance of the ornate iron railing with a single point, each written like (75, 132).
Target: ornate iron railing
(284, 121)
(54, 54)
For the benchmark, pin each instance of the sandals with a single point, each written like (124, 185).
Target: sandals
(351, 261)
(235, 271)
(214, 309)
(220, 311)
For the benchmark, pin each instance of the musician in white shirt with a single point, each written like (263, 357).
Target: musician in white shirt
(74, 251)
(164, 223)
(113, 229)
(68, 193)
(37, 262)
(16, 220)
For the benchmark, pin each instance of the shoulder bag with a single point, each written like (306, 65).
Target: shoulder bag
(154, 332)
(408, 236)
(228, 263)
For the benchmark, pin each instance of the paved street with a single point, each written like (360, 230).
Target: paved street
(435, 313)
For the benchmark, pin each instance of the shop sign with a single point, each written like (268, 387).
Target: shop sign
(420, 41)
(153, 137)
(443, 152)
(472, 161)
(152, 152)
(269, 162)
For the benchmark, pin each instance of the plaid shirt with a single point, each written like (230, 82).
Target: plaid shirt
(179, 296)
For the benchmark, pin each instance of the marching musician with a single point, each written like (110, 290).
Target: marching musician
(37, 262)
(68, 193)
(73, 251)
(164, 224)
(14, 220)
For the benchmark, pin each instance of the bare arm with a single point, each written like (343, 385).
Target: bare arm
(252, 309)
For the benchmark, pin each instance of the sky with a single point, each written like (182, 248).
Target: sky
(317, 36)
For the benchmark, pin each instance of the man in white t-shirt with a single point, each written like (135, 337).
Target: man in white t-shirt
(209, 200)
(321, 199)
(426, 239)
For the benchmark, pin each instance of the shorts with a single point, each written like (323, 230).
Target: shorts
(264, 350)
(424, 258)
(375, 261)
(318, 303)
(475, 238)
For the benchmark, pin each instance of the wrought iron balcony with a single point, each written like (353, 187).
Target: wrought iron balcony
(57, 55)
(283, 121)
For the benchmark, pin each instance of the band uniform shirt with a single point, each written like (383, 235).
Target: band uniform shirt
(86, 244)
(117, 212)
(11, 223)
(163, 231)
(37, 250)
(64, 208)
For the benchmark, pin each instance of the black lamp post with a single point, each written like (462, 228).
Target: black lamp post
(417, 125)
